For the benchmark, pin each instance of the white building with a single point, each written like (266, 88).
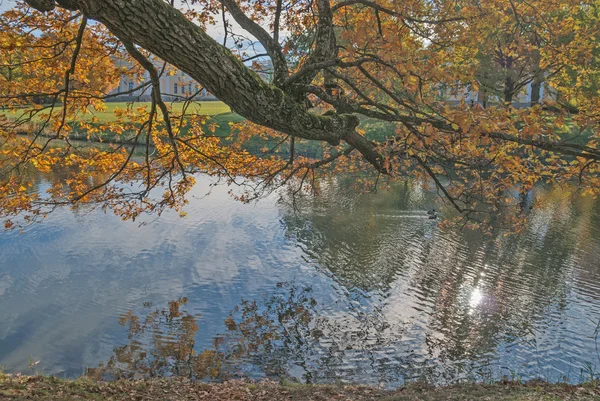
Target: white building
(174, 85)
(460, 92)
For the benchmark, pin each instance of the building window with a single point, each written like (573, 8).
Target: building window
(130, 85)
(190, 88)
(175, 88)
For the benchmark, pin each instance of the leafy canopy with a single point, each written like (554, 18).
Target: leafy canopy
(355, 87)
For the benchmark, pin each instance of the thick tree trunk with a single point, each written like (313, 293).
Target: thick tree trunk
(509, 83)
(164, 31)
(536, 88)
(482, 98)
(538, 78)
(509, 90)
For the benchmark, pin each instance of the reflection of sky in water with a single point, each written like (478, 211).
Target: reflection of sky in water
(444, 296)
(75, 273)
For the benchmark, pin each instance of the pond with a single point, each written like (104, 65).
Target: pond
(344, 287)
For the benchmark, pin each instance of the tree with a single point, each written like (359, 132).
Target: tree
(365, 61)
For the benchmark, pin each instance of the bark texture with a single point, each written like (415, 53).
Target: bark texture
(164, 31)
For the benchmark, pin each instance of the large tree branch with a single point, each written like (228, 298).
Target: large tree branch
(161, 29)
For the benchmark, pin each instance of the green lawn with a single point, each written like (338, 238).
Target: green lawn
(221, 115)
(208, 108)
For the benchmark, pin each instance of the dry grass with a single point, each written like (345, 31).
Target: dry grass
(52, 389)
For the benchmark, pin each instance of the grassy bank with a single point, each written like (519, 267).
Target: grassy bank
(208, 108)
(52, 389)
(219, 114)
(220, 117)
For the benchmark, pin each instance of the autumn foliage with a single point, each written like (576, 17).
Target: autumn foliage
(386, 62)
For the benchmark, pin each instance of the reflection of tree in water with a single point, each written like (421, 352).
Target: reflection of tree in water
(285, 336)
(511, 287)
(475, 291)
(162, 343)
(466, 296)
(55, 178)
(281, 336)
(356, 237)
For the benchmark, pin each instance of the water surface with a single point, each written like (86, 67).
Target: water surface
(390, 297)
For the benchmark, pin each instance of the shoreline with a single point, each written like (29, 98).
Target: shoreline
(17, 387)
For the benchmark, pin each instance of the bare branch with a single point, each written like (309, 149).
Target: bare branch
(270, 44)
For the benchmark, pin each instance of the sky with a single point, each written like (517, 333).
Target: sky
(6, 4)
(216, 31)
